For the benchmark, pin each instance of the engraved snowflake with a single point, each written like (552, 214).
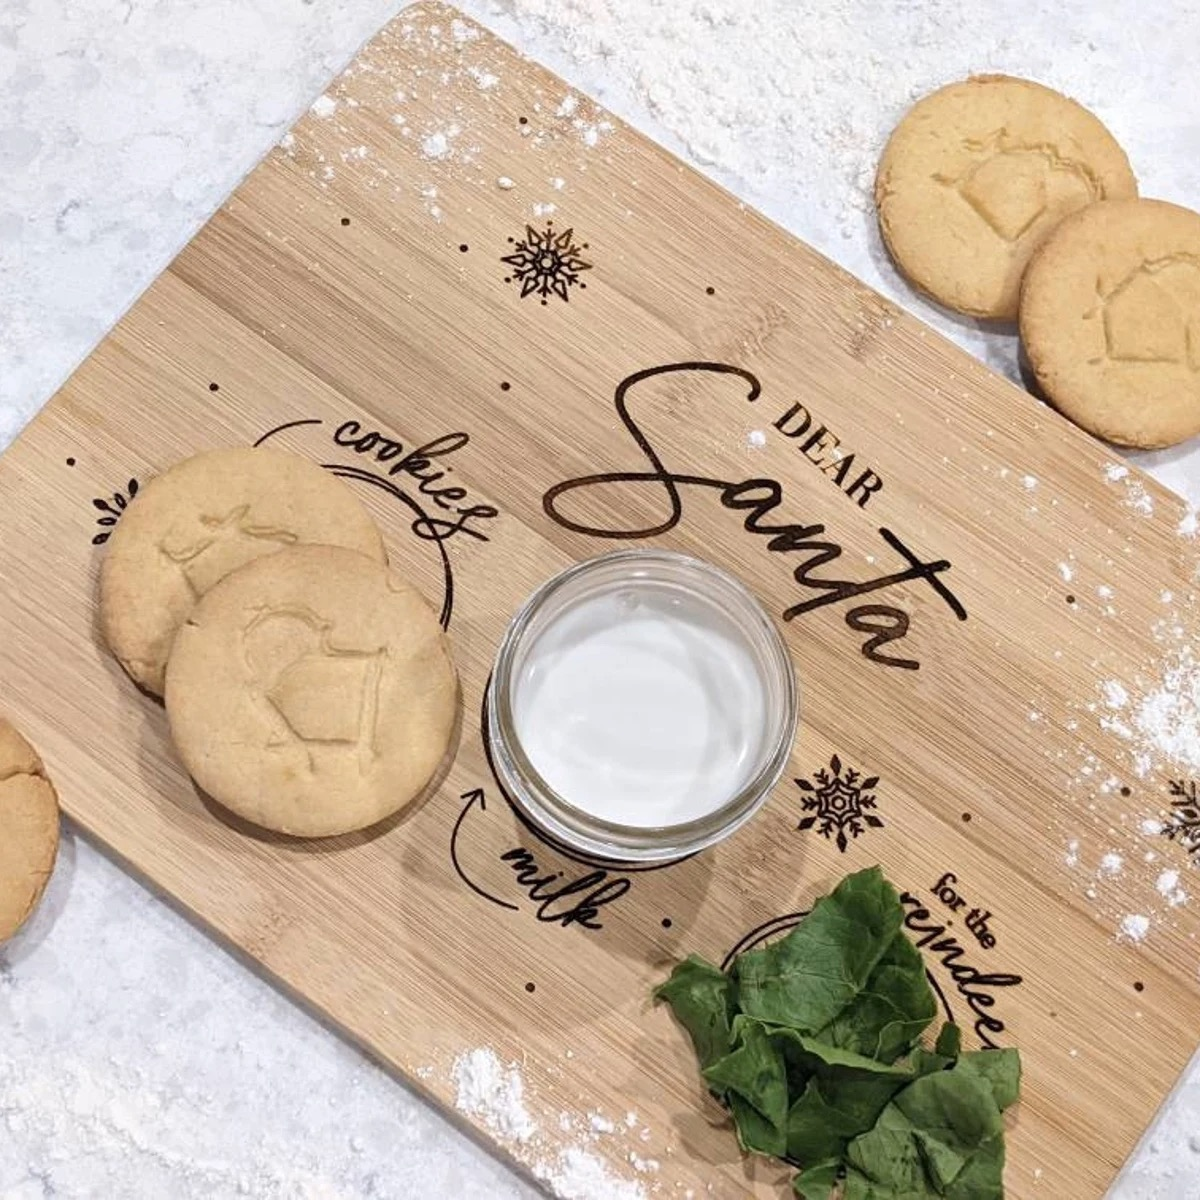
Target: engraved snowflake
(1183, 822)
(840, 804)
(546, 263)
(111, 509)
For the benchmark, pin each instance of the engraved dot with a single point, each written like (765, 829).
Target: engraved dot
(1053, 1015)
(966, 817)
(710, 291)
(505, 386)
(582, 286)
(70, 462)
(1139, 986)
(463, 247)
(522, 120)
(531, 987)
(345, 220)
(214, 387)
(666, 922)
(543, 303)
(1126, 791)
(1070, 599)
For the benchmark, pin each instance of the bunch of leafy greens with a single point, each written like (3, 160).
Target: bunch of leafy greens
(811, 1042)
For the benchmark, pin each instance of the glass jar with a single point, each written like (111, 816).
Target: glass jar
(642, 706)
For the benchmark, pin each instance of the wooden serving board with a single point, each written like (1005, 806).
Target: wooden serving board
(460, 286)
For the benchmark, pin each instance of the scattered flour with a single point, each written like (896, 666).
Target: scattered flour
(1134, 927)
(324, 107)
(430, 195)
(484, 80)
(1029, 482)
(436, 146)
(756, 438)
(1072, 856)
(1136, 496)
(644, 1165)
(1139, 499)
(505, 184)
(1111, 864)
(494, 1093)
(1159, 717)
(664, 59)
(578, 1174)
(1066, 571)
(1169, 889)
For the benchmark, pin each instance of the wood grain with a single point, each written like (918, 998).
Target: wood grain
(356, 276)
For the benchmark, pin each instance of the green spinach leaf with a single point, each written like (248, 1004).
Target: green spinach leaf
(811, 1043)
(893, 1009)
(928, 1137)
(817, 1181)
(999, 1069)
(949, 1041)
(804, 980)
(753, 1080)
(701, 996)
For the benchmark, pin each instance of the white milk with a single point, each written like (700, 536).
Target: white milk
(642, 705)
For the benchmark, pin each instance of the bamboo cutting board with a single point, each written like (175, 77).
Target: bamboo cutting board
(514, 326)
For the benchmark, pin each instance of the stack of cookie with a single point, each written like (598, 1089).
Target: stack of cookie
(308, 689)
(1005, 200)
(28, 830)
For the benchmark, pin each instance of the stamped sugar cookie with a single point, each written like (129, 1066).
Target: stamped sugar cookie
(977, 174)
(312, 693)
(1110, 319)
(201, 519)
(28, 830)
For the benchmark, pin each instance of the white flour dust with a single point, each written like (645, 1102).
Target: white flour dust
(1160, 719)
(493, 1092)
(1168, 887)
(1136, 496)
(578, 1174)
(743, 89)
(1134, 927)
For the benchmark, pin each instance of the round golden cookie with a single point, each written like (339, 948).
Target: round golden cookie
(199, 520)
(1110, 319)
(28, 830)
(977, 174)
(311, 692)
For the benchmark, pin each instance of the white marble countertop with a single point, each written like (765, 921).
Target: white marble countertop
(137, 1057)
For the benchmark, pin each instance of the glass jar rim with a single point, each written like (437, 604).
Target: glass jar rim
(581, 829)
